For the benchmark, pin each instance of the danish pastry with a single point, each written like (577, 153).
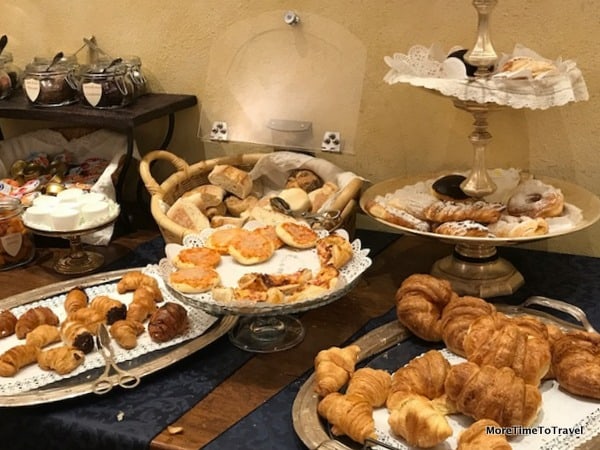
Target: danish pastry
(334, 250)
(296, 235)
(478, 211)
(396, 216)
(523, 226)
(196, 256)
(194, 280)
(468, 228)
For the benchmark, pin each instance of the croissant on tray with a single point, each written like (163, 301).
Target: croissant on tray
(13, 359)
(348, 415)
(89, 317)
(371, 384)
(334, 367)
(420, 300)
(75, 299)
(168, 322)
(110, 308)
(126, 332)
(77, 335)
(32, 318)
(576, 363)
(134, 279)
(62, 360)
(476, 437)
(142, 305)
(487, 392)
(501, 341)
(7, 323)
(457, 317)
(416, 420)
(43, 335)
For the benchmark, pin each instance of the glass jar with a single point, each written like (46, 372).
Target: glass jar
(16, 243)
(134, 66)
(50, 86)
(14, 72)
(106, 86)
(6, 88)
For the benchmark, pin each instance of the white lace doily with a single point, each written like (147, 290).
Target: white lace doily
(559, 410)
(430, 68)
(32, 377)
(285, 260)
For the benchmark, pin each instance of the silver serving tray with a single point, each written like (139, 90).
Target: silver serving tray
(82, 384)
(313, 431)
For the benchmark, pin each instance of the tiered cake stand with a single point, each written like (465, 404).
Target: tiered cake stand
(474, 268)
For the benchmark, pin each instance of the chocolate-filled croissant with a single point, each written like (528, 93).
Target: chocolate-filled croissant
(77, 335)
(111, 309)
(167, 322)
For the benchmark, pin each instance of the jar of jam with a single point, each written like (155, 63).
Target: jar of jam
(106, 86)
(14, 72)
(134, 70)
(47, 85)
(16, 243)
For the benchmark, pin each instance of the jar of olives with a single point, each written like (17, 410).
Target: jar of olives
(16, 243)
(106, 86)
(50, 85)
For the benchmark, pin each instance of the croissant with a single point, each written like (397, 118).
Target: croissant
(487, 392)
(457, 316)
(554, 334)
(476, 437)
(418, 422)
(43, 335)
(371, 384)
(62, 360)
(576, 363)
(133, 280)
(13, 359)
(501, 342)
(32, 318)
(167, 322)
(420, 300)
(7, 323)
(77, 335)
(333, 368)
(424, 376)
(76, 299)
(111, 309)
(348, 415)
(90, 318)
(125, 332)
(142, 306)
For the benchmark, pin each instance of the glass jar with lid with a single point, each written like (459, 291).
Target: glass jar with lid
(134, 66)
(14, 72)
(50, 85)
(106, 85)
(16, 242)
(6, 87)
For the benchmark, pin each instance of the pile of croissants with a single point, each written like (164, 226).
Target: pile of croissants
(498, 385)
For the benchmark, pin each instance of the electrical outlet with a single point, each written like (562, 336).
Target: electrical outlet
(218, 131)
(331, 142)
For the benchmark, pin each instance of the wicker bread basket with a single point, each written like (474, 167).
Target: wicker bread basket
(189, 176)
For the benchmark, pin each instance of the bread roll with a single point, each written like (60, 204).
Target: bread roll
(219, 221)
(236, 206)
(296, 198)
(186, 214)
(304, 179)
(205, 196)
(232, 179)
(320, 196)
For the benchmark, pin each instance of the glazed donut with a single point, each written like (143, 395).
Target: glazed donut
(479, 211)
(511, 226)
(576, 363)
(448, 188)
(420, 300)
(533, 198)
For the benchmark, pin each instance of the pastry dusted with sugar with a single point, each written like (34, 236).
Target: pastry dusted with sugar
(349, 415)
(334, 367)
(371, 384)
(576, 363)
(527, 65)
(34, 317)
(478, 211)
(396, 216)
(420, 300)
(463, 228)
(487, 392)
(534, 198)
(168, 322)
(523, 226)
(476, 437)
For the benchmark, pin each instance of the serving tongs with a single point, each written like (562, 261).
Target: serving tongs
(104, 383)
(326, 219)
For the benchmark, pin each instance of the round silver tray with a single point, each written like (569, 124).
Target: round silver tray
(474, 268)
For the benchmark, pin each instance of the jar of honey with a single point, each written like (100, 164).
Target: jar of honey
(16, 242)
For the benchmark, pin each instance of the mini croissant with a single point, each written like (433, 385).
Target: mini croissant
(76, 299)
(349, 415)
(111, 309)
(134, 279)
(13, 359)
(125, 332)
(62, 360)
(168, 322)
(142, 306)
(333, 368)
(32, 318)
(76, 334)
(7, 323)
(43, 335)
(477, 438)
(371, 384)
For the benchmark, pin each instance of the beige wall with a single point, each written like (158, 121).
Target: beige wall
(400, 130)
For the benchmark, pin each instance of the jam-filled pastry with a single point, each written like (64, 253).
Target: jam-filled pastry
(168, 322)
(110, 308)
(334, 367)
(126, 332)
(13, 359)
(468, 228)
(7, 323)
(479, 211)
(77, 334)
(62, 360)
(43, 335)
(76, 299)
(349, 415)
(32, 318)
